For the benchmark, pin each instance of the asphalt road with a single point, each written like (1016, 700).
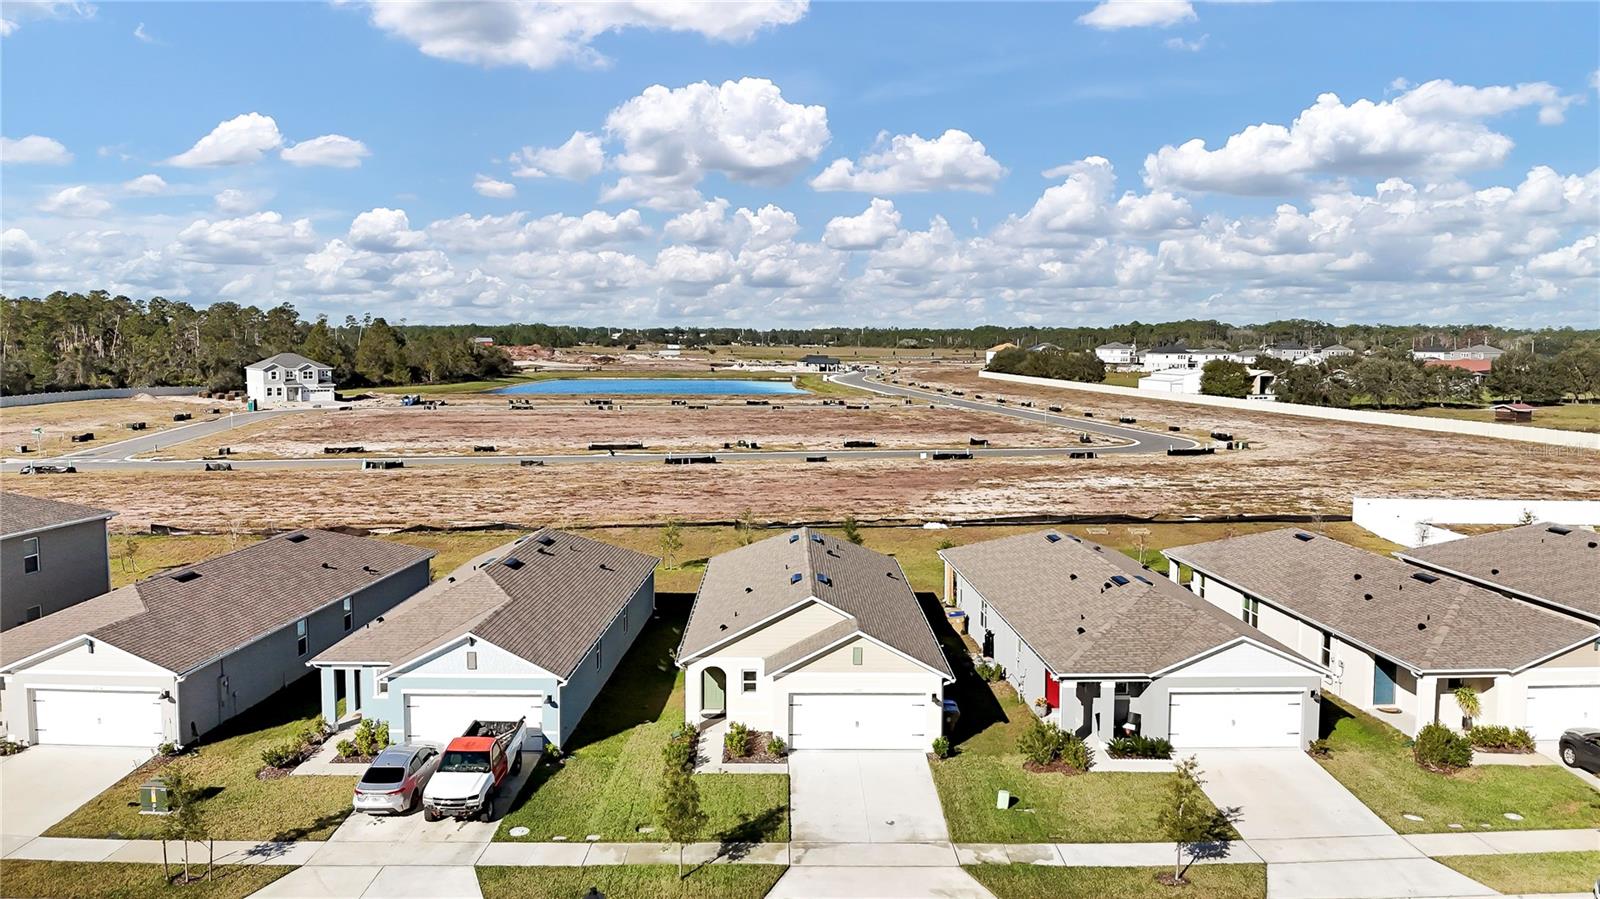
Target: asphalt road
(119, 456)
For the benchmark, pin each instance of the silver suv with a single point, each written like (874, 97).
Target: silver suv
(393, 783)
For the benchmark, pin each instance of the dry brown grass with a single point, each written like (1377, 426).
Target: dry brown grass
(105, 418)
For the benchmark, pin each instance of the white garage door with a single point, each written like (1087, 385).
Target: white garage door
(96, 718)
(859, 721)
(1552, 710)
(437, 717)
(1235, 720)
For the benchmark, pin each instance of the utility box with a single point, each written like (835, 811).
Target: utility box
(153, 797)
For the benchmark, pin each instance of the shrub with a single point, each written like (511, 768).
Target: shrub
(368, 739)
(941, 747)
(1138, 746)
(778, 747)
(679, 751)
(284, 755)
(1042, 742)
(170, 750)
(1498, 738)
(737, 740)
(1077, 753)
(11, 747)
(990, 672)
(346, 749)
(1320, 748)
(1438, 748)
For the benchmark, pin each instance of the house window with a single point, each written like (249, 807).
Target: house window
(983, 614)
(1327, 648)
(302, 637)
(1252, 611)
(472, 661)
(383, 688)
(349, 613)
(855, 655)
(748, 682)
(30, 555)
(1130, 688)
(34, 612)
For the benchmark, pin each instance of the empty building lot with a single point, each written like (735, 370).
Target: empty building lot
(106, 419)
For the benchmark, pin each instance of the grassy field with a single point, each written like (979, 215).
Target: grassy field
(630, 882)
(1205, 882)
(1566, 417)
(112, 880)
(821, 386)
(1374, 762)
(1535, 872)
(1123, 378)
(606, 783)
(238, 805)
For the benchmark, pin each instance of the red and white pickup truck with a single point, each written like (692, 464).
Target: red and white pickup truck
(472, 769)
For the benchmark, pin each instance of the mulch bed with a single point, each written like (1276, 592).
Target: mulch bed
(760, 751)
(273, 773)
(1056, 767)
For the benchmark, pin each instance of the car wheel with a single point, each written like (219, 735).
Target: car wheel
(429, 815)
(1568, 756)
(516, 764)
(411, 803)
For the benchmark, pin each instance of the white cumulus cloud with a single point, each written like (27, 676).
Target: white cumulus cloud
(1111, 15)
(332, 150)
(145, 186)
(385, 230)
(489, 187)
(81, 201)
(580, 157)
(238, 141)
(33, 150)
(867, 231)
(909, 163)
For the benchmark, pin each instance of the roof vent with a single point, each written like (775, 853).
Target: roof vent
(793, 537)
(605, 567)
(1366, 596)
(184, 577)
(1302, 536)
(816, 538)
(1558, 529)
(1497, 571)
(795, 578)
(1053, 538)
(1073, 576)
(369, 569)
(329, 566)
(1356, 576)
(824, 579)
(547, 540)
(296, 538)
(1080, 631)
(1593, 544)
(513, 563)
(1425, 577)
(1421, 626)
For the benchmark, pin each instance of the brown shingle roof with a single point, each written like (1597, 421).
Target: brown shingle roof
(21, 513)
(73, 621)
(866, 585)
(1060, 597)
(550, 609)
(1445, 625)
(185, 618)
(1534, 560)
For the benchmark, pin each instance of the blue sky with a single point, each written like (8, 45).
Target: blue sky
(775, 164)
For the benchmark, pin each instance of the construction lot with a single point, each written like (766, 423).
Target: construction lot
(106, 419)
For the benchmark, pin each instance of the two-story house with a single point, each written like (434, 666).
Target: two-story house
(288, 379)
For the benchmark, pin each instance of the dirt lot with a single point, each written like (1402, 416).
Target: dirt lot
(568, 427)
(105, 418)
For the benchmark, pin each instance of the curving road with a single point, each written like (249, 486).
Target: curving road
(119, 456)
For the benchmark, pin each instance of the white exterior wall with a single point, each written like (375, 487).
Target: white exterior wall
(270, 387)
(103, 668)
(1024, 669)
(1578, 666)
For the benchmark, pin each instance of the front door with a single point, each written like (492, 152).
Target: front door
(713, 690)
(1052, 691)
(1383, 683)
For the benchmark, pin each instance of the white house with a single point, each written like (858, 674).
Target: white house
(1287, 349)
(817, 640)
(1117, 353)
(1101, 645)
(997, 349)
(1398, 640)
(288, 379)
(1169, 356)
(1476, 351)
(1331, 352)
(1187, 380)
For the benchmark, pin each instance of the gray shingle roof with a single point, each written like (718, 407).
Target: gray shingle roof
(1533, 560)
(287, 360)
(751, 584)
(21, 513)
(550, 609)
(1060, 598)
(236, 598)
(1446, 625)
(73, 621)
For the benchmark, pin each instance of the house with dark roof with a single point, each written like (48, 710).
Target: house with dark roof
(531, 630)
(52, 555)
(817, 640)
(1399, 640)
(1101, 645)
(169, 658)
(820, 362)
(288, 379)
(1548, 565)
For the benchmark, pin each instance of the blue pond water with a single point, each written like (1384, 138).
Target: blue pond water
(651, 386)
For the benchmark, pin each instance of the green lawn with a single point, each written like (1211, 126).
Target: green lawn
(1205, 882)
(630, 882)
(113, 880)
(607, 782)
(1123, 378)
(1565, 417)
(239, 806)
(1374, 762)
(821, 386)
(1536, 872)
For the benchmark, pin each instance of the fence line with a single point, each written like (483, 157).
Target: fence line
(1575, 439)
(101, 393)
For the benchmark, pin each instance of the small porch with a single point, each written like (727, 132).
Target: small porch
(1095, 709)
(346, 693)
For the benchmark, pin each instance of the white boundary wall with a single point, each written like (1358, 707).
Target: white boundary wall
(103, 393)
(1409, 521)
(1575, 439)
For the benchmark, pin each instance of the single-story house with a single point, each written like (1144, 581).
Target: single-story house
(997, 349)
(1477, 351)
(1548, 565)
(817, 640)
(52, 555)
(288, 379)
(530, 630)
(1513, 412)
(169, 658)
(1397, 640)
(818, 362)
(1097, 643)
(1478, 368)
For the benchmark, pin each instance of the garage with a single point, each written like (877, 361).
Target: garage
(437, 717)
(96, 718)
(858, 721)
(1235, 720)
(1553, 709)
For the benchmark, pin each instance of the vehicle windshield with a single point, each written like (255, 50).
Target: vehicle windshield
(465, 762)
(383, 774)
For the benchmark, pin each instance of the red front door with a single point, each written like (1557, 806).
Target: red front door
(1052, 691)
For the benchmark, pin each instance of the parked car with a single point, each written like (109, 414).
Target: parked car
(395, 780)
(472, 770)
(47, 468)
(1580, 748)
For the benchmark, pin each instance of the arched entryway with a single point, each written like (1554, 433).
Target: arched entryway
(713, 693)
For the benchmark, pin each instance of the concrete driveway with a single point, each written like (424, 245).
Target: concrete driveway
(1551, 749)
(884, 796)
(44, 784)
(1284, 794)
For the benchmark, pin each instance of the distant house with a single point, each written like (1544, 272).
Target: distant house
(997, 349)
(52, 555)
(1043, 348)
(817, 362)
(1117, 353)
(670, 351)
(1288, 350)
(1478, 367)
(288, 379)
(483, 341)
(1513, 412)
(1477, 351)
(1428, 351)
(1330, 352)
(531, 630)
(1187, 380)
(168, 659)
(1169, 356)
